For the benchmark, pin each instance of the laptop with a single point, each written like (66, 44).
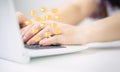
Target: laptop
(12, 47)
(11, 44)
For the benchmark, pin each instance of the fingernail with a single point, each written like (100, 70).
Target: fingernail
(42, 42)
(24, 38)
(42, 45)
(30, 42)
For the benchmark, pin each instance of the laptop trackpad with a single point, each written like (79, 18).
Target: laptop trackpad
(36, 46)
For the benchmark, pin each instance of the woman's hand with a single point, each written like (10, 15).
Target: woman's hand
(68, 34)
(21, 19)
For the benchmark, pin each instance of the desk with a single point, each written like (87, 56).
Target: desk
(91, 60)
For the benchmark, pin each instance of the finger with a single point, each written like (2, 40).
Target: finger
(21, 18)
(52, 40)
(25, 29)
(40, 35)
(31, 32)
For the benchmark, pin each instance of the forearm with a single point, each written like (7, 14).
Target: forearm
(78, 10)
(103, 30)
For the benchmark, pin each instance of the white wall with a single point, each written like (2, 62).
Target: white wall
(26, 5)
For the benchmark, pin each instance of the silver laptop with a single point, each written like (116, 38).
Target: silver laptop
(12, 48)
(11, 45)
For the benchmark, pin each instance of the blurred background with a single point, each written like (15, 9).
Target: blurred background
(26, 5)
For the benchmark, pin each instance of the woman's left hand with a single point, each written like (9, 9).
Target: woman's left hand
(21, 19)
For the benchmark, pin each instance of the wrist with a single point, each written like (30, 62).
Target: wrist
(86, 34)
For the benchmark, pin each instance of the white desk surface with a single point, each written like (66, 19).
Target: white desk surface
(91, 60)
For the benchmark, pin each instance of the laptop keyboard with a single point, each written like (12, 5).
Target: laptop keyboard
(36, 46)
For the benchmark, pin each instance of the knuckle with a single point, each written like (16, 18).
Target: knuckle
(57, 39)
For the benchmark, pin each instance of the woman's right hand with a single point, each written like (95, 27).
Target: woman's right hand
(68, 34)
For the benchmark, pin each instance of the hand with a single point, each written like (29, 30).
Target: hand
(69, 34)
(21, 19)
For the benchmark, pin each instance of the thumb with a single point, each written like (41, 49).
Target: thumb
(50, 41)
(21, 19)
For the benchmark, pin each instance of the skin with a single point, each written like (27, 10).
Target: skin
(107, 29)
(68, 35)
(21, 19)
(77, 10)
